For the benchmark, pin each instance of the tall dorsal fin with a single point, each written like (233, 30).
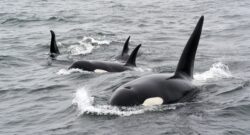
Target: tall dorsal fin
(125, 46)
(53, 45)
(186, 62)
(132, 57)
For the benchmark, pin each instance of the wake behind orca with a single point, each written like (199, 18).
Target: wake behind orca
(102, 66)
(159, 88)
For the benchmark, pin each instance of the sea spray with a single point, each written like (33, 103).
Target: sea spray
(217, 71)
(86, 46)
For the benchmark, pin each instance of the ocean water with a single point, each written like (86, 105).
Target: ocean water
(40, 96)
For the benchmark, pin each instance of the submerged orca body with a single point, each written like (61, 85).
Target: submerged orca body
(159, 88)
(124, 55)
(54, 51)
(101, 66)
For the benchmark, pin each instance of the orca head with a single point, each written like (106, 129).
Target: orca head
(129, 96)
(124, 97)
(84, 65)
(74, 65)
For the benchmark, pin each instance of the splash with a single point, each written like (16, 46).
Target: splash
(86, 46)
(59, 44)
(85, 105)
(217, 71)
(70, 71)
(82, 49)
(95, 41)
(142, 69)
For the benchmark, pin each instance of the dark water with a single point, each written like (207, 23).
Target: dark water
(39, 96)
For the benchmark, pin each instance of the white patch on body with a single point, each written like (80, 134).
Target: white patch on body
(153, 101)
(100, 71)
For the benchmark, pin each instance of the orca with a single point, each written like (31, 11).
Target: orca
(160, 89)
(54, 51)
(102, 66)
(124, 55)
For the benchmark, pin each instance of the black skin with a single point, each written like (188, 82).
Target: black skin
(53, 45)
(170, 89)
(107, 66)
(93, 65)
(124, 56)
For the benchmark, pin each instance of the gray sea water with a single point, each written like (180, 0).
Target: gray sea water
(40, 96)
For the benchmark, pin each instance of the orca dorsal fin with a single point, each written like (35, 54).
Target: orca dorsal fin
(132, 58)
(186, 62)
(125, 46)
(53, 45)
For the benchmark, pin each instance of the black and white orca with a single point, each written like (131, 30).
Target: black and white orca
(102, 66)
(160, 89)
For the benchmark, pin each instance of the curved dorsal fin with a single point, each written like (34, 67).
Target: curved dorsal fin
(186, 62)
(53, 45)
(125, 46)
(132, 57)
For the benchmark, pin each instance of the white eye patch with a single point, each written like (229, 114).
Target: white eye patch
(100, 71)
(153, 101)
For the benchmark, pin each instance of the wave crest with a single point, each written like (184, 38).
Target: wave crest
(217, 71)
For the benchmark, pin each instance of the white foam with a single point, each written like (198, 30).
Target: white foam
(59, 44)
(86, 46)
(95, 41)
(69, 71)
(83, 48)
(142, 69)
(85, 104)
(217, 71)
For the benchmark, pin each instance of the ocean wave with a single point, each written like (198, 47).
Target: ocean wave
(46, 88)
(232, 91)
(142, 69)
(56, 18)
(217, 71)
(19, 20)
(87, 44)
(85, 104)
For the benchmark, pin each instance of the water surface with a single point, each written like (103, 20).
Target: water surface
(40, 96)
